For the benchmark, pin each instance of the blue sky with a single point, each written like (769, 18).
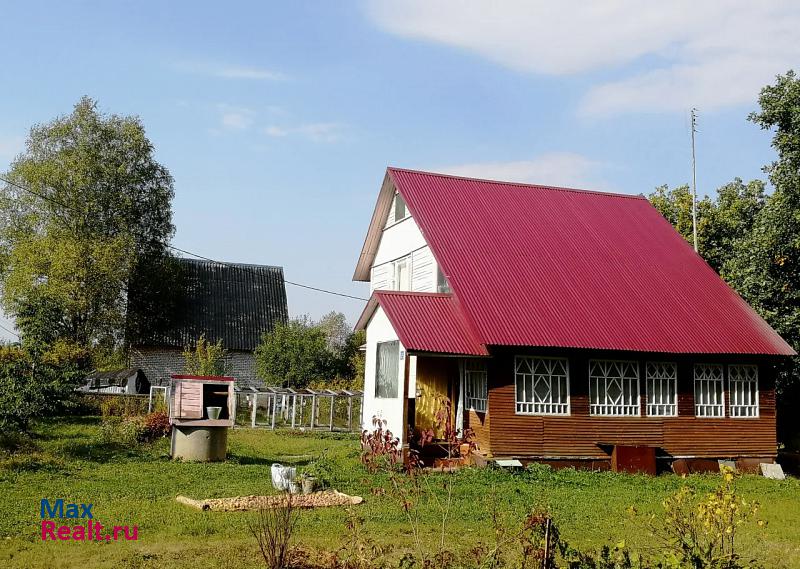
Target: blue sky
(277, 120)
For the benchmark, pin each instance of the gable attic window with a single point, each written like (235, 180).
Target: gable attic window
(743, 385)
(387, 369)
(542, 385)
(476, 385)
(614, 388)
(709, 398)
(662, 389)
(400, 209)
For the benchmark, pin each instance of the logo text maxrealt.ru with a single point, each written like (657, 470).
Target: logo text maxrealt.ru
(91, 531)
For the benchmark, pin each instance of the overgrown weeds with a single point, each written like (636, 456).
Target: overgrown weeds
(272, 529)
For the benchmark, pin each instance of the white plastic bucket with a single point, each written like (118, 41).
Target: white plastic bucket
(213, 412)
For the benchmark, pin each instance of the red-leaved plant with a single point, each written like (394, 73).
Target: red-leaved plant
(379, 447)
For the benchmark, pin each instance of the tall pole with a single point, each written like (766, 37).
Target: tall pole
(694, 181)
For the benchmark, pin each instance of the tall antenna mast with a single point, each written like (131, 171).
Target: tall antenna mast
(694, 181)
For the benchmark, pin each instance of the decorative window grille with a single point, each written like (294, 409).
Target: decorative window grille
(614, 388)
(743, 384)
(662, 389)
(542, 385)
(476, 385)
(709, 398)
(387, 369)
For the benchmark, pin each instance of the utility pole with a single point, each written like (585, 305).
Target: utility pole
(694, 181)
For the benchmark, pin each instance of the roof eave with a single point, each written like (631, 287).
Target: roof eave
(373, 237)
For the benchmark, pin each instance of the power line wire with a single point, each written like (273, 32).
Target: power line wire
(305, 286)
(246, 268)
(9, 331)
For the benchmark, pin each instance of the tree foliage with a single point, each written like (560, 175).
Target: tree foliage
(766, 268)
(30, 389)
(302, 353)
(722, 220)
(99, 202)
(205, 358)
(294, 354)
(753, 238)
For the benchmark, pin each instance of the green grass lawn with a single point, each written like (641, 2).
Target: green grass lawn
(138, 486)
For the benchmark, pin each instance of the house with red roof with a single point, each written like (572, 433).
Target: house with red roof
(567, 326)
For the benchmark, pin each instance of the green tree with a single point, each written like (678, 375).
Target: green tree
(346, 360)
(721, 221)
(765, 269)
(31, 388)
(336, 329)
(100, 204)
(294, 354)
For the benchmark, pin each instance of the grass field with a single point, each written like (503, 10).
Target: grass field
(138, 486)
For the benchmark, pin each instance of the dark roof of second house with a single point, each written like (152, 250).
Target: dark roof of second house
(233, 302)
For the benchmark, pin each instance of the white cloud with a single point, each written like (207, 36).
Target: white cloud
(664, 55)
(316, 132)
(225, 71)
(565, 169)
(235, 118)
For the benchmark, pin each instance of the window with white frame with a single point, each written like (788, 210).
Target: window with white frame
(743, 385)
(662, 389)
(614, 388)
(387, 369)
(709, 398)
(402, 274)
(542, 385)
(476, 385)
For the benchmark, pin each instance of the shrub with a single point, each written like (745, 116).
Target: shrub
(122, 405)
(120, 430)
(701, 534)
(206, 358)
(272, 529)
(379, 447)
(156, 426)
(31, 388)
(322, 469)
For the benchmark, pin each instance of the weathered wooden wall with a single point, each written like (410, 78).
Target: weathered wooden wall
(578, 435)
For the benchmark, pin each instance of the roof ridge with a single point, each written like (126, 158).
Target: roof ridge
(518, 184)
(230, 263)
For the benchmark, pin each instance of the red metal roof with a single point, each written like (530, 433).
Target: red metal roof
(542, 266)
(425, 322)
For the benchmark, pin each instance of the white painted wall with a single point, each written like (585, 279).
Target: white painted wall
(379, 329)
(423, 270)
(397, 241)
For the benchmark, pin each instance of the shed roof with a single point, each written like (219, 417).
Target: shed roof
(234, 302)
(555, 267)
(425, 322)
